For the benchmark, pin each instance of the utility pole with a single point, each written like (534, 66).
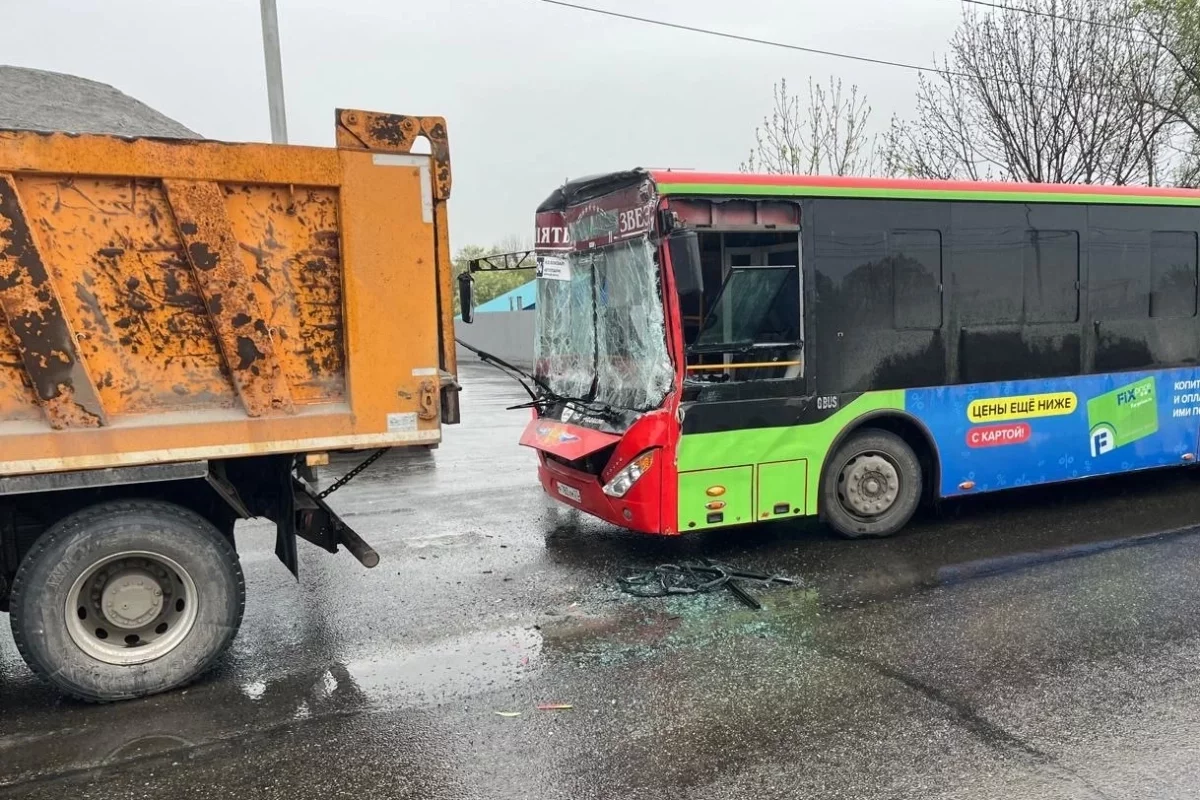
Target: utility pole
(270, 33)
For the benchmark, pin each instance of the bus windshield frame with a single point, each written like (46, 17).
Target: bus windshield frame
(602, 333)
(601, 326)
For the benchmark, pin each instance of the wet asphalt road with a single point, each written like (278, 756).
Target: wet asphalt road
(1039, 645)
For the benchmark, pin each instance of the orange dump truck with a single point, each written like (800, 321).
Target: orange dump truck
(186, 329)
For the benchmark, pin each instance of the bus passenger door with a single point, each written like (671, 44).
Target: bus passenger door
(744, 382)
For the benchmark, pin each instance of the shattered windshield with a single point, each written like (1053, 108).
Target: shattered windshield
(565, 345)
(601, 327)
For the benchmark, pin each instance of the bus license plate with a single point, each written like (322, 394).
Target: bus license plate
(570, 492)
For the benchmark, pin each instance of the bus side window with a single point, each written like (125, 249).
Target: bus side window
(1142, 287)
(1016, 290)
(1172, 274)
(916, 258)
(879, 292)
(1019, 276)
(1120, 284)
(1051, 276)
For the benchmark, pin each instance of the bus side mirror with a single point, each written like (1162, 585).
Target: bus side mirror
(466, 296)
(685, 261)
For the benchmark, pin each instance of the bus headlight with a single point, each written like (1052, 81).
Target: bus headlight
(624, 480)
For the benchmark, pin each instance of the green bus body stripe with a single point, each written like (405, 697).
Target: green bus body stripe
(761, 445)
(744, 189)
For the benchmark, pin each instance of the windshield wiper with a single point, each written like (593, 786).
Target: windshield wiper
(514, 372)
(540, 395)
(549, 398)
(552, 398)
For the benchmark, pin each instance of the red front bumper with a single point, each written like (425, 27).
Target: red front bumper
(640, 509)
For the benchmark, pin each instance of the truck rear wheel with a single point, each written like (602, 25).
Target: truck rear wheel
(127, 599)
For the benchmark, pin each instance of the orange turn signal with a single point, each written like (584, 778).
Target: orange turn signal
(715, 491)
(967, 486)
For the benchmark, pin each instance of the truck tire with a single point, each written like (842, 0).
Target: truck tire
(872, 485)
(126, 599)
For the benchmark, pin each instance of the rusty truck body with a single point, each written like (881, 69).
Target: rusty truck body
(186, 329)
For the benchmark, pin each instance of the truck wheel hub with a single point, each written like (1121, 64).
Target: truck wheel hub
(131, 608)
(132, 599)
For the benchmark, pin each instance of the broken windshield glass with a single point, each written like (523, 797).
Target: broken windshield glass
(565, 344)
(601, 328)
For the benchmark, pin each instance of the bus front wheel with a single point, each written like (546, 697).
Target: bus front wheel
(872, 485)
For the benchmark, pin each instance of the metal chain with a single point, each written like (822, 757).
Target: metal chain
(352, 474)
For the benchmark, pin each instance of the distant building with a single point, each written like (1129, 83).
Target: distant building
(503, 326)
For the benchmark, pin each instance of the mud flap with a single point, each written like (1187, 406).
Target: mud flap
(316, 522)
(285, 524)
(450, 389)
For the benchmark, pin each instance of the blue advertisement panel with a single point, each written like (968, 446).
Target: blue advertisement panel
(1018, 433)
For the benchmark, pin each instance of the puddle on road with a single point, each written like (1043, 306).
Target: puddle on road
(438, 541)
(440, 670)
(450, 668)
(221, 710)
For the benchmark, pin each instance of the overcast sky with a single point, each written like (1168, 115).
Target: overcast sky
(533, 93)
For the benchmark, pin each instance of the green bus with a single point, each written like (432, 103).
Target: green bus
(716, 350)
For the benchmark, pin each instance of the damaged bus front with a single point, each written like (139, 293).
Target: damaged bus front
(652, 321)
(603, 353)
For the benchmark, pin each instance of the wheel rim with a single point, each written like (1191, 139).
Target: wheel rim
(131, 607)
(869, 485)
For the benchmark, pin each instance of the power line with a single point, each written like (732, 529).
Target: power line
(752, 40)
(815, 51)
(1049, 15)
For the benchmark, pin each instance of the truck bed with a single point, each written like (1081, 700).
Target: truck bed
(182, 300)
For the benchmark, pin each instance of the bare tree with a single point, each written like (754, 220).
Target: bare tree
(1174, 27)
(1071, 93)
(829, 135)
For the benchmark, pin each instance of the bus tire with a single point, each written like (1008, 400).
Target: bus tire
(126, 599)
(872, 485)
